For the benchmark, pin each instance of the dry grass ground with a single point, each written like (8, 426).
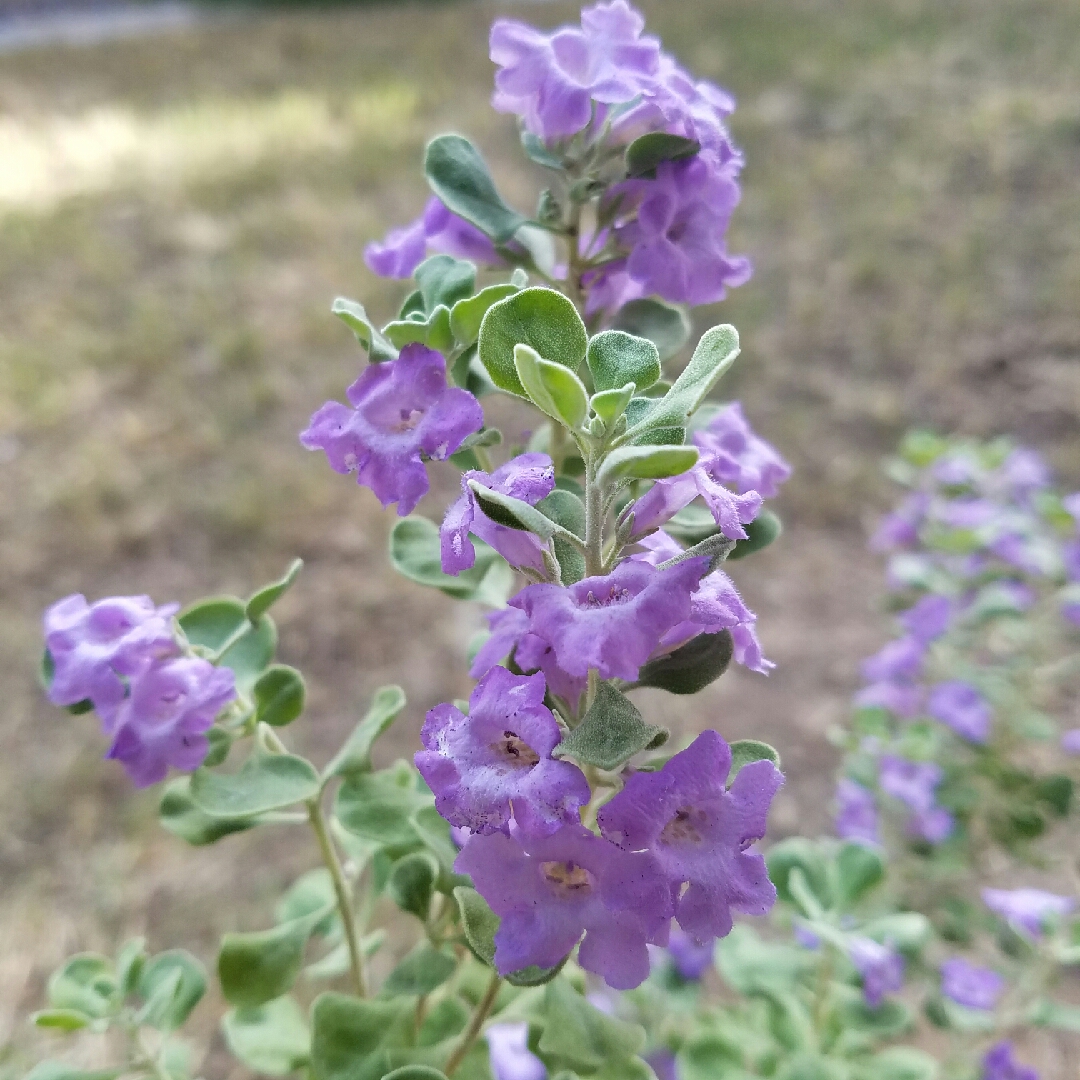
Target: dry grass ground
(177, 213)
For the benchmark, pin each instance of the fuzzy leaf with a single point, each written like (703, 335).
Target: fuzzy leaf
(355, 755)
(616, 358)
(272, 1039)
(356, 319)
(667, 327)
(279, 695)
(611, 733)
(646, 463)
(648, 151)
(552, 388)
(691, 667)
(264, 782)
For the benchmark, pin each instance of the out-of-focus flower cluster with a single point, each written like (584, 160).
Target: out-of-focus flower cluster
(983, 571)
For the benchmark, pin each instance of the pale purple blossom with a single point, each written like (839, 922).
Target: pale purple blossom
(528, 477)
(663, 1062)
(969, 985)
(740, 457)
(928, 618)
(914, 783)
(496, 762)
(550, 890)
(552, 80)
(700, 832)
(510, 635)
(614, 622)
(900, 529)
(901, 699)
(1027, 909)
(856, 812)
(437, 230)
(402, 411)
(93, 645)
(999, 1064)
(691, 958)
(667, 497)
(509, 1054)
(898, 661)
(881, 968)
(163, 721)
(716, 605)
(675, 238)
(961, 707)
(1070, 741)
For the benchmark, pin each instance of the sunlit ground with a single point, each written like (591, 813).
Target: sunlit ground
(176, 215)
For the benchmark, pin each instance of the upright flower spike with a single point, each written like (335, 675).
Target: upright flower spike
(529, 477)
(960, 706)
(699, 832)
(856, 812)
(93, 645)
(436, 231)
(881, 968)
(969, 985)
(611, 623)
(550, 890)
(402, 411)
(1027, 909)
(497, 760)
(742, 458)
(164, 719)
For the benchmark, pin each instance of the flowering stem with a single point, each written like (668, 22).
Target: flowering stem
(341, 891)
(475, 1024)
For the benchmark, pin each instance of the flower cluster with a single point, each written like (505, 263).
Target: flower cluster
(981, 548)
(122, 657)
(584, 94)
(673, 843)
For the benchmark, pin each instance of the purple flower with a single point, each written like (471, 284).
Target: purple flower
(1070, 741)
(1027, 909)
(402, 410)
(933, 825)
(611, 623)
(881, 968)
(971, 986)
(1025, 471)
(807, 939)
(961, 707)
(529, 477)
(911, 782)
(856, 812)
(164, 719)
(898, 661)
(1070, 605)
(549, 890)
(900, 529)
(699, 832)
(667, 497)
(900, 699)
(498, 759)
(551, 80)
(510, 634)
(691, 958)
(403, 249)
(716, 605)
(92, 645)
(676, 238)
(1070, 556)
(509, 1054)
(928, 618)
(742, 459)
(662, 1062)
(999, 1064)
(1071, 503)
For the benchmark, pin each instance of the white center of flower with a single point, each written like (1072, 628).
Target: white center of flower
(616, 595)
(408, 421)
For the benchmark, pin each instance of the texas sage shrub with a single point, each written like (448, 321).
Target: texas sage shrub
(542, 840)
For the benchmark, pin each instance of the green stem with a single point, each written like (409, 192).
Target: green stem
(341, 891)
(594, 521)
(475, 1024)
